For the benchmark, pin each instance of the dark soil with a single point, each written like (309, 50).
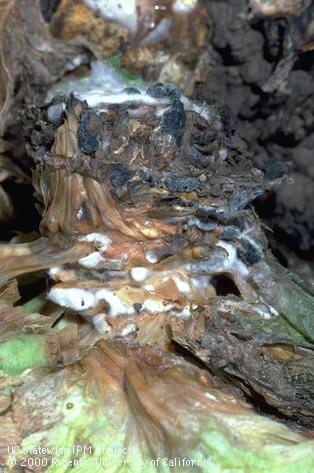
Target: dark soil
(277, 125)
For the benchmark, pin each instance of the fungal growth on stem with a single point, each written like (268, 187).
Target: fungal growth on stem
(149, 246)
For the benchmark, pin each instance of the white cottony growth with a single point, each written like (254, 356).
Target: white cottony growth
(151, 257)
(263, 310)
(55, 111)
(131, 328)
(149, 288)
(154, 307)
(232, 261)
(101, 242)
(80, 214)
(123, 12)
(185, 312)
(201, 282)
(223, 153)
(104, 86)
(74, 299)
(95, 97)
(100, 238)
(103, 80)
(139, 273)
(184, 6)
(92, 260)
(182, 285)
(231, 250)
(115, 303)
(80, 300)
(54, 271)
(99, 322)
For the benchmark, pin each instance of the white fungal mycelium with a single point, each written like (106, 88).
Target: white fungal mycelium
(139, 274)
(201, 283)
(55, 111)
(232, 261)
(80, 214)
(263, 310)
(100, 323)
(103, 80)
(91, 261)
(74, 299)
(54, 271)
(185, 312)
(218, 262)
(96, 98)
(101, 241)
(182, 284)
(104, 86)
(184, 6)
(80, 300)
(201, 225)
(149, 288)
(116, 305)
(223, 154)
(130, 328)
(151, 257)
(155, 306)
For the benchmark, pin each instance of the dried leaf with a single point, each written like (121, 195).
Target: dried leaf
(23, 258)
(9, 169)
(29, 57)
(152, 404)
(260, 355)
(28, 341)
(6, 206)
(279, 7)
(9, 293)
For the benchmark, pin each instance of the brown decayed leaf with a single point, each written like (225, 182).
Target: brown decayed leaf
(148, 387)
(22, 258)
(62, 347)
(29, 57)
(13, 321)
(6, 206)
(278, 7)
(9, 293)
(235, 341)
(74, 20)
(5, 8)
(7, 170)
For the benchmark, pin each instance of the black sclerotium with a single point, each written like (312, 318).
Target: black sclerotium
(250, 250)
(148, 178)
(230, 232)
(160, 91)
(120, 174)
(137, 307)
(180, 184)
(131, 91)
(173, 120)
(198, 159)
(87, 141)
